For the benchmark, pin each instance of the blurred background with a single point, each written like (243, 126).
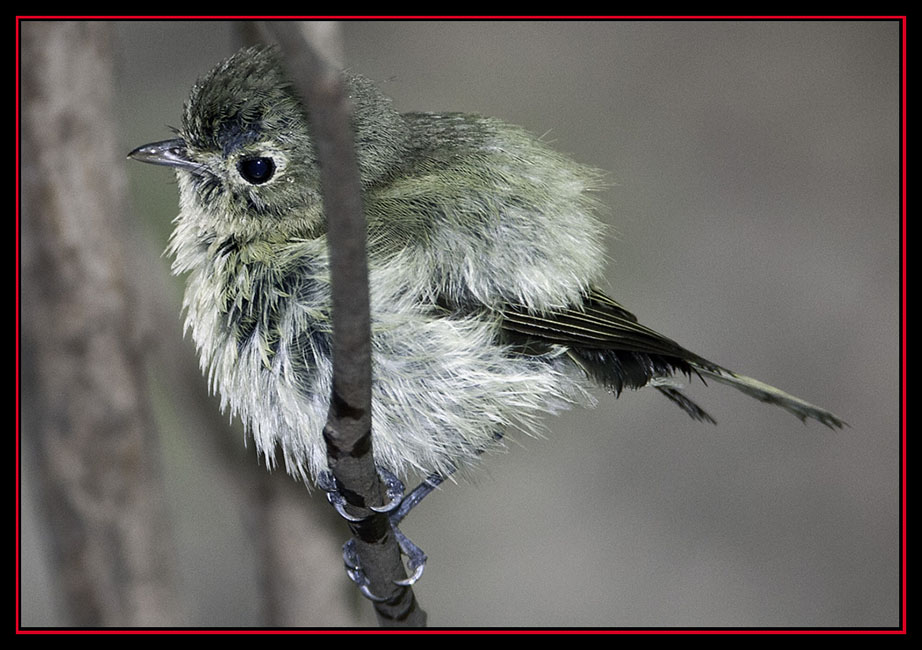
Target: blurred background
(754, 217)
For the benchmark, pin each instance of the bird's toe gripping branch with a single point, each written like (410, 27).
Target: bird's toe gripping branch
(396, 508)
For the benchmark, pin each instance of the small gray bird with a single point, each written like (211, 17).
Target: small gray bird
(485, 259)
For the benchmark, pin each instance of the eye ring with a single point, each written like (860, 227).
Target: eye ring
(257, 170)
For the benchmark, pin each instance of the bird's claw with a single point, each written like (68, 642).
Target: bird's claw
(394, 490)
(416, 563)
(396, 508)
(327, 482)
(355, 573)
(416, 559)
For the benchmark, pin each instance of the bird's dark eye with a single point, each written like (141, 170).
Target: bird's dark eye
(256, 170)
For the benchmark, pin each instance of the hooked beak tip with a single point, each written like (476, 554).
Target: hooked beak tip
(171, 153)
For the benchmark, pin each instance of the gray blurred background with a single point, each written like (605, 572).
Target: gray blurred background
(754, 217)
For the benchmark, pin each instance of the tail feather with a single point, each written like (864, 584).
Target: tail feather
(766, 393)
(683, 402)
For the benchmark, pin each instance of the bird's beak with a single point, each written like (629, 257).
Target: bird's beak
(171, 153)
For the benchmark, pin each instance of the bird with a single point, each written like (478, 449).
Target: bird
(488, 304)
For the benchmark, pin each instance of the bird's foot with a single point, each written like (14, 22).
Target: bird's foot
(396, 508)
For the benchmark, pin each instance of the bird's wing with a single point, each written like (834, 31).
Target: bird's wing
(600, 323)
(611, 346)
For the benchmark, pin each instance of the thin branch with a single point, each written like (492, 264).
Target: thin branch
(313, 66)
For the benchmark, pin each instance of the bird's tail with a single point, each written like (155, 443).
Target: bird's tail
(765, 393)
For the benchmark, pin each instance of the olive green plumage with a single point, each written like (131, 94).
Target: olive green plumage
(484, 257)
